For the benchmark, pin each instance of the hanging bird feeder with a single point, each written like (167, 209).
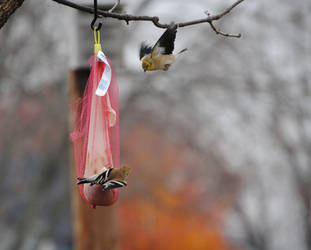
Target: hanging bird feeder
(96, 134)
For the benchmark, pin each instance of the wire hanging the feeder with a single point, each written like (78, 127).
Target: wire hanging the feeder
(97, 28)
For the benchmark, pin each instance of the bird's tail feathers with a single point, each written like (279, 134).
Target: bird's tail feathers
(91, 179)
(81, 180)
(182, 51)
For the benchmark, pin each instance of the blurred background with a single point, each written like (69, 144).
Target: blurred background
(219, 145)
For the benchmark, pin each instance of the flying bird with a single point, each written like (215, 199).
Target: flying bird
(160, 56)
(109, 178)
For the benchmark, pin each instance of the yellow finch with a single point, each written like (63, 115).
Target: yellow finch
(108, 178)
(160, 56)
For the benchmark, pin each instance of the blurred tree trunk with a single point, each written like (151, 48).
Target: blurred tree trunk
(94, 229)
(7, 8)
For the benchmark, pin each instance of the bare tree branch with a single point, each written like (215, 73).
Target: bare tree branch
(7, 8)
(154, 19)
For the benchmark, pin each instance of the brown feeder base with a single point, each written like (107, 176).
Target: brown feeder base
(97, 197)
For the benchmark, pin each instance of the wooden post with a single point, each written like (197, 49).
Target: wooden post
(94, 229)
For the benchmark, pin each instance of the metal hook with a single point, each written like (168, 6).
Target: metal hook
(95, 18)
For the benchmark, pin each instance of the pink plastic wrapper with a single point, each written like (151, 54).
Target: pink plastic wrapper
(96, 135)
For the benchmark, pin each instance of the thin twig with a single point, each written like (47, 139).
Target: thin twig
(114, 6)
(154, 19)
(217, 31)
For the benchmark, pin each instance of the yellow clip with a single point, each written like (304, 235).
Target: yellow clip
(97, 46)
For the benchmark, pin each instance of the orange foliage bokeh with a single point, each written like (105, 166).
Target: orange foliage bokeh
(164, 206)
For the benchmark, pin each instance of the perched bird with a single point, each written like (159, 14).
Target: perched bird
(109, 178)
(160, 56)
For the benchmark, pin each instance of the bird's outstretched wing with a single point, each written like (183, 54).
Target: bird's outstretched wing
(144, 50)
(165, 44)
(100, 178)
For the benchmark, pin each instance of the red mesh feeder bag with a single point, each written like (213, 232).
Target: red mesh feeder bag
(96, 134)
